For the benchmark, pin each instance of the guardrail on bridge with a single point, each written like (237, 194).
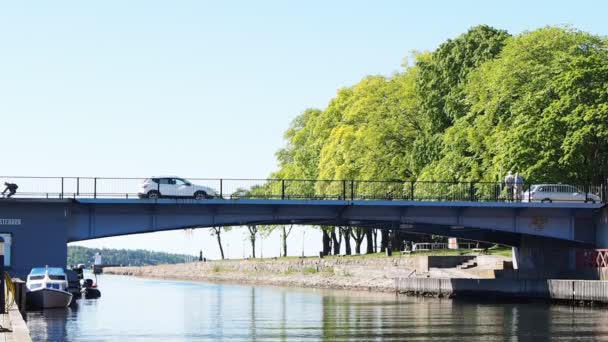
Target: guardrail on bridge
(107, 187)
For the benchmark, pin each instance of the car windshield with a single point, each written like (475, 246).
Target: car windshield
(183, 180)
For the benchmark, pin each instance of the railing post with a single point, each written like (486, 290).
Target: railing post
(95, 187)
(344, 190)
(221, 188)
(352, 190)
(282, 189)
(472, 192)
(78, 186)
(61, 187)
(412, 190)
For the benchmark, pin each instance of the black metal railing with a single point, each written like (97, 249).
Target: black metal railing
(293, 189)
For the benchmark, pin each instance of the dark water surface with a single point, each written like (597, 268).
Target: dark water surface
(134, 309)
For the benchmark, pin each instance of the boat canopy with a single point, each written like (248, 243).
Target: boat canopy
(44, 270)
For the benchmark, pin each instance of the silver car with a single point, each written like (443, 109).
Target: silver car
(558, 193)
(172, 186)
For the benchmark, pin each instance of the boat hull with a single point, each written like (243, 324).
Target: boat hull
(47, 298)
(91, 293)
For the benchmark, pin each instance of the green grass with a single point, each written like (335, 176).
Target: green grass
(504, 251)
(310, 270)
(218, 268)
(495, 250)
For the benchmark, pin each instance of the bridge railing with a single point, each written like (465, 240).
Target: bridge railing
(111, 187)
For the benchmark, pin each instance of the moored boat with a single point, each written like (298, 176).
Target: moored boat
(47, 288)
(90, 290)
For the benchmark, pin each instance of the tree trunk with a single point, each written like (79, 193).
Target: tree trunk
(284, 242)
(336, 241)
(347, 233)
(384, 242)
(370, 241)
(358, 235)
(253, 230)
(218, 232)
(326, 242)
(375, 240)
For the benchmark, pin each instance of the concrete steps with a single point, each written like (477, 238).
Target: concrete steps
(467, 264)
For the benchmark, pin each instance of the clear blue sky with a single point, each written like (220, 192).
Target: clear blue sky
(206, 89)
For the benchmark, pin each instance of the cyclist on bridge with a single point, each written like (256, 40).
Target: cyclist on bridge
(11, 188)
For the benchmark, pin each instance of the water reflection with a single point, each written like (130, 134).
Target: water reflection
(50, 325)
(134, 309)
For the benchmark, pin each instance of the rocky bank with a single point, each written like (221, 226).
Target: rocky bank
(354, 272)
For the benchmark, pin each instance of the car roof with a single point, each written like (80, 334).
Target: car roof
(552, 185)
(166, 176)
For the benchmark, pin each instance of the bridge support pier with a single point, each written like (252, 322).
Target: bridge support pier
(538, 257)
(35, 235)
(601, 236)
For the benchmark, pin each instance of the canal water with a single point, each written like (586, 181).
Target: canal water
(135, 309)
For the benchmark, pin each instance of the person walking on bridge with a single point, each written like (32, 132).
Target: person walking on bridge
(11, 188)
(509, 182)
(519, 187)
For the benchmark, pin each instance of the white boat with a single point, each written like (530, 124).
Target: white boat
(47, 288)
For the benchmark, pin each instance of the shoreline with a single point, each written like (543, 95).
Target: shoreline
(371, 274)
(409, 276)
(286, 284)
(317, 281)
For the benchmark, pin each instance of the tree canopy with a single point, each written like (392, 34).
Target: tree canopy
(479, 105)
(139, 257)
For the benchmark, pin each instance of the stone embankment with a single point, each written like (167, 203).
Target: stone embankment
(561, 290)
(355, 272)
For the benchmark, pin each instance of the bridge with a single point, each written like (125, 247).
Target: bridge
(47, 213)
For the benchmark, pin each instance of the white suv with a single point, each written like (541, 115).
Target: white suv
(558, 193)
(171, 186)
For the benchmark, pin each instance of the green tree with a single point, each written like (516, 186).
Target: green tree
(139, 257)
(540, 109)
(443, 74)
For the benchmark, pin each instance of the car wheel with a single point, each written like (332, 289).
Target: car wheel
(153, 194)
(199, 195)
(546, 200)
